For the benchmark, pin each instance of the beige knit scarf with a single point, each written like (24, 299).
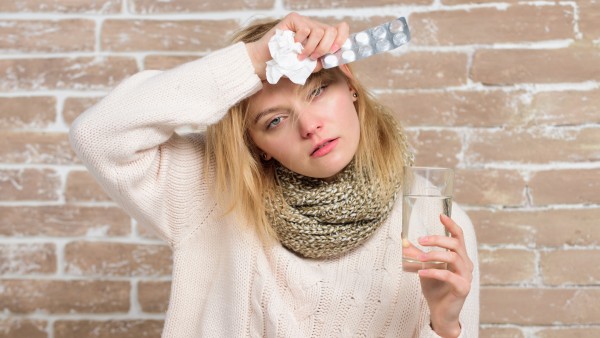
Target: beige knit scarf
(323, 219)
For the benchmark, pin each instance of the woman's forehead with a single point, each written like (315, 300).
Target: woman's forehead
(270, 92)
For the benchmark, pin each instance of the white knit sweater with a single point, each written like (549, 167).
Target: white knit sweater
(225, 283)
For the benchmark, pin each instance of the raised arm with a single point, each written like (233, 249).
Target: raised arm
(128, 139)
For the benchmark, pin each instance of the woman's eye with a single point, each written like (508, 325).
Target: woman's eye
(274, 122)
(318, 91)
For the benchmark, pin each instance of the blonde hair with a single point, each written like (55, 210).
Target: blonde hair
(243, 181)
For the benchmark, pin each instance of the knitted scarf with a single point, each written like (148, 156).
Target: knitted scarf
(322, 219)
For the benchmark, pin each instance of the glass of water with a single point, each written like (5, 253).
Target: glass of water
(426, 193)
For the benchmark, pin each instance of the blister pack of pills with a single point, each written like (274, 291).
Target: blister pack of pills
(375, 40)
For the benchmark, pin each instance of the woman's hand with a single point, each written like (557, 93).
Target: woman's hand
(446, 290)
(317, 38)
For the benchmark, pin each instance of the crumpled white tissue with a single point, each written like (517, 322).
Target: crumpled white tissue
(284, 52)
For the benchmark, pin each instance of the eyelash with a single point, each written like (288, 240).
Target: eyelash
(319, 90)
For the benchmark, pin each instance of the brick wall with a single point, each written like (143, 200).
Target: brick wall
(507, 92)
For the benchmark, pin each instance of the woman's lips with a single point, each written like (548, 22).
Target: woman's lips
(324, 148)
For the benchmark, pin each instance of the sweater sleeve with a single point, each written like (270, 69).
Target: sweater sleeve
(128, 140)
(469, 315)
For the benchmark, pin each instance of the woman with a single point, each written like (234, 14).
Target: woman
(282, 216)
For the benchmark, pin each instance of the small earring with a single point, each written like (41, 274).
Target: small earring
(264, 156)
(354, 95)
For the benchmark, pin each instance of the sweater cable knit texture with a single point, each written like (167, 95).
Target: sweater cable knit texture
(225, 283)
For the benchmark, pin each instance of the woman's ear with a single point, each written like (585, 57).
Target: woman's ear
(349, 77)
(265, 157)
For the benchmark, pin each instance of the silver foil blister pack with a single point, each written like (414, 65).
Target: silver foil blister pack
(374, 40)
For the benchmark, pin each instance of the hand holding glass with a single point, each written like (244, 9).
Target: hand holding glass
(426, 193)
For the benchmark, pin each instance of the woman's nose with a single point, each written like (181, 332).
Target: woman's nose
(309, 124)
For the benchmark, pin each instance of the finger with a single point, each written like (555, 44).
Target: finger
(454, 229)
(409, 250)
(461, 286)
(343, 30)
(445, 242)
(311, 43)
(456, 262)
(301, 33)
(298, 24)
(410, 254)
(326, 43)
(448, 243)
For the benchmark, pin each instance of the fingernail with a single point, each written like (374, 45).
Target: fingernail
(405, 243)
(313, 57)
(423, 239)
(334, 48)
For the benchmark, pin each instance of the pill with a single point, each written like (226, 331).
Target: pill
(379, 33)
(400, 39)
(348, 56)
(348, 44)
(365, 51)
(330, 61)
(396, 26)
(362, 38)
